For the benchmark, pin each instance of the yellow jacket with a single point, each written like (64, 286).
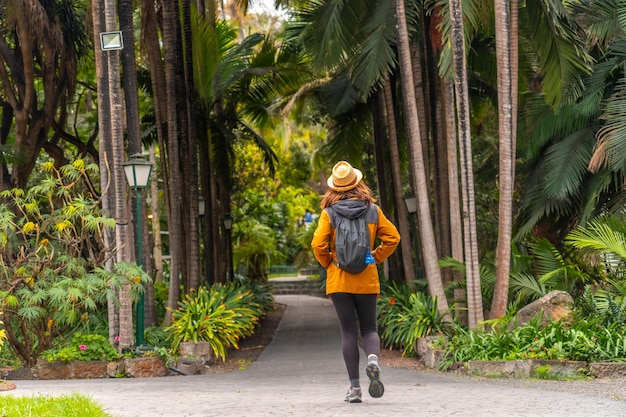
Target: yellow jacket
(365, 282)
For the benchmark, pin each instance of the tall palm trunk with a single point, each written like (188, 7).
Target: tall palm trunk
(190, 157)
(507, 59)
(150, 39)
(170, 52)
(456, 225)
(403, 214)
(472, 274)
(105, 151)
(429, 246)
(111, 158)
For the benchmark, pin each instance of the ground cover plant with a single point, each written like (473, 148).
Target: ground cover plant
(72, 405)
(595, 333)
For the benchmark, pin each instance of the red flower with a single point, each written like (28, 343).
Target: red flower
(392, 301)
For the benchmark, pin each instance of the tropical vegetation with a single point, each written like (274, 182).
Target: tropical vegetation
(220, 315)
(481, 110)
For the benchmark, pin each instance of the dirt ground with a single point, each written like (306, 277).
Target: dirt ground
(251, 347)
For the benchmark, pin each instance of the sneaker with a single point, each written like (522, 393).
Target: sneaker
(353, 395)
(376, 389)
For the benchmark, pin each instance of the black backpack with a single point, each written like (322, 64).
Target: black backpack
(352, 239)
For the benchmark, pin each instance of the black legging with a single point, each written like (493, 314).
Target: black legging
(349, 307)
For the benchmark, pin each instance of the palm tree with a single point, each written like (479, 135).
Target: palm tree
(429, 247)
(507, 63)
(113, 183)
(474, 298)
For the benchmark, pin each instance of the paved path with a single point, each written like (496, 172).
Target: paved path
(301, 374)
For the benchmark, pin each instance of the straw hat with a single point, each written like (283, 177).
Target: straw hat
(344, 177)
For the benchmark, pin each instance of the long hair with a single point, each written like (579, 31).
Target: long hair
(360, 192)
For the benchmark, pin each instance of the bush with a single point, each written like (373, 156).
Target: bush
(51, 254)
(405, 316)
(585, 339)
(83, 347)
(220, 315)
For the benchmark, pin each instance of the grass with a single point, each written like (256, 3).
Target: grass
(73, 405)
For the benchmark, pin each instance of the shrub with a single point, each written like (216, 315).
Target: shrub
(220, 315)
(405, 316)
(83, 347)
(585, 339)
(51, 251)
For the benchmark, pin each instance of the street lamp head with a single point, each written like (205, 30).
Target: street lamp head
(137, 171)
(411, 203)
(227, 221)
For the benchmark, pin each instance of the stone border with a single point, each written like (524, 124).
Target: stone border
(144, 367)
(430, 353)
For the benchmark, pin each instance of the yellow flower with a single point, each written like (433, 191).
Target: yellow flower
(28, 227)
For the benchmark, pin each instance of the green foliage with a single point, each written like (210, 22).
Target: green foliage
(71, 405)
(220, 315)
(83, 347)
(51, 253)
(404, 316)
(256, 248)
(585, 339)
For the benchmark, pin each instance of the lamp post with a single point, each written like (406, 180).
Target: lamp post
(227, 222)
(411, 207)
(138, 172)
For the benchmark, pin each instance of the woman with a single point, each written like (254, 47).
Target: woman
(354, 295)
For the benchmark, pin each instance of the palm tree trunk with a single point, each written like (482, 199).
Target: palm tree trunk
(506, 55)
(429, 246)
(474, 297)
(190, 158)
(456, 225)
(403, 215)
(170, 49)
(105, 151)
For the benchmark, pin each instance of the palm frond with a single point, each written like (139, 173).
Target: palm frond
(562, 55)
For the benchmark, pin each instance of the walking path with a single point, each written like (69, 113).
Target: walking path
(302, 374)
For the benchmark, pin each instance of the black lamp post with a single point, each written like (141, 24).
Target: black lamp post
(138, 172)
(411, 207)
(227, 222)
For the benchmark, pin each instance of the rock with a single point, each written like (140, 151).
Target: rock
(200, 351)
(115, 369)
(429, 350)
(149, 366)
(7, 386)
(554, 306)
(52, 370)
(89, 369)
(510, 369)
(608, 369)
